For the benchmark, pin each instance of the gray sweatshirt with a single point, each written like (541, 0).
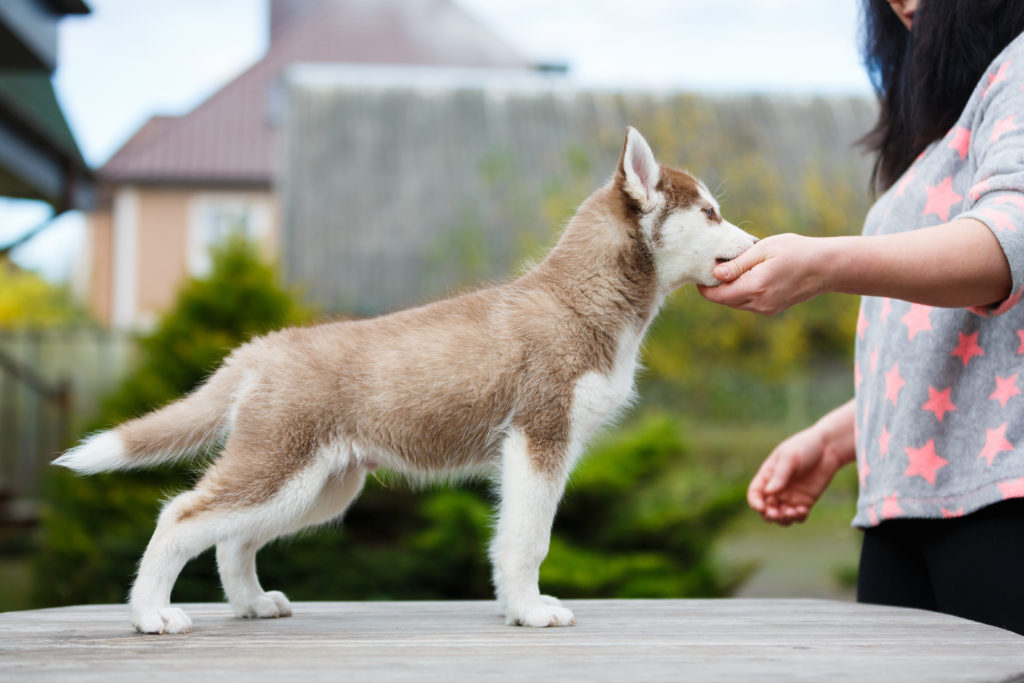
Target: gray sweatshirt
(940, 409)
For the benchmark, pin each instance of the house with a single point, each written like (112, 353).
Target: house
(182, 182)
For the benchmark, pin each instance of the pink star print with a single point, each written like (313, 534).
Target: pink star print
(863, 470)
(1020, 335)
(950, 514)
(961, 141)
(902, 187)
(998, 77)
(893, 384)
(883, 441)
(1001, 127)
(938, 402)
(872, 516)
(873, 358)
(1000, 220)
(862, 323)
(924, 462)
(1015, 199)
(1012, 489)
(917, 319)
(968, 347)
(1006, 388)
(995, 443)
(886, 308)
(857, 376)
(979, 189)
(891, 507)
(941, 198)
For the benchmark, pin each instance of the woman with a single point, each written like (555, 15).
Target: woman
(937, 426)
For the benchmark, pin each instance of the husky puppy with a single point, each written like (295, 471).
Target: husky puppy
(513, 379)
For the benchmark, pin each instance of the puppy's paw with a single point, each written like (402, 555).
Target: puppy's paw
(550, 600)
(269, 605)
(166, 620)
(540, 615)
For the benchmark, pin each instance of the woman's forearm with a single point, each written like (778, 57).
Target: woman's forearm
(951, 265)
(837, 433)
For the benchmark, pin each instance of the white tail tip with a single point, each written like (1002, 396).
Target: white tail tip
(99, 453)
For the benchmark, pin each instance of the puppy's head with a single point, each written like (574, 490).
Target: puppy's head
(678, 218)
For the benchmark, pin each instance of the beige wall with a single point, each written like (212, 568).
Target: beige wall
(99, 251)
(162, 234)
(157, 228)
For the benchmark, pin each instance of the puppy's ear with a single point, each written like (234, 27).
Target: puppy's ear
(638, 171)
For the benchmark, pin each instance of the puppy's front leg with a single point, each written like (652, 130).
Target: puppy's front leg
(532, 483)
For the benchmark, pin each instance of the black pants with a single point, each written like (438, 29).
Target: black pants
(971, 567)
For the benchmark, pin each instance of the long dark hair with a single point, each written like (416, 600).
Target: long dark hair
(924, 77)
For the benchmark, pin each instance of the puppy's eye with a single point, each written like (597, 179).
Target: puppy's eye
(710, 213)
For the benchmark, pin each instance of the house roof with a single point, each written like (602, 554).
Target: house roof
(230, 139)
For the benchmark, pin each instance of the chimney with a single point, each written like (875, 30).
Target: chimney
(283, 14)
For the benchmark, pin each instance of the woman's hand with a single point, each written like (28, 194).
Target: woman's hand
(772, 275)
(793, 477)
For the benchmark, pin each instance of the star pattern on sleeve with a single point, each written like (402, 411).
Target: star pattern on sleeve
(979, 189)
(1020, 335)
(917, 319)
(891, 506)
(995, 443)
(939, 403)
(1002, 126)
(941, 199)
(1014, 488)
(1000, 219)
(924, 462)
(998, 77)
(1010, 198)
(886, 308)
(1006, 388)
(893, 384)
(862, 323)
(883, 441)
(952, 514)
(968, 347)
(961, 141)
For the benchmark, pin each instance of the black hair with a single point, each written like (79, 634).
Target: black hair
(924, 77)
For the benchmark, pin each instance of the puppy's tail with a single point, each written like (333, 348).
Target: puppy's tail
(171, 433)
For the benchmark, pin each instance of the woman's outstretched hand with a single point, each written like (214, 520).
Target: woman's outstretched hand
(772, 275)
(791, 480)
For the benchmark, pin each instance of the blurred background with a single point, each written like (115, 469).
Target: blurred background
(177, 177)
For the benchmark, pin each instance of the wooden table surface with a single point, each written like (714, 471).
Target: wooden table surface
(615, 640)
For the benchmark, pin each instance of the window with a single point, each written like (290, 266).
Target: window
(216, 218)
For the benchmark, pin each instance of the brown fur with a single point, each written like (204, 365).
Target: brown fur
(433, 385)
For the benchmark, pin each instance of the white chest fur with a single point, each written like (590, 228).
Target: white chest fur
(599, 395)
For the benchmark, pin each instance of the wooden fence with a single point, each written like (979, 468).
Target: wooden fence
(51, 382)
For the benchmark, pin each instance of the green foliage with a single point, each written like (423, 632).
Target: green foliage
(95, 528)
(29, 301)
(640, 520)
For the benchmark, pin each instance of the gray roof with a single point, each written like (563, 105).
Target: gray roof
(231, 137)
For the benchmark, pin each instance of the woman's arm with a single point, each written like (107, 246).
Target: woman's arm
(956, 264)
(793, 477)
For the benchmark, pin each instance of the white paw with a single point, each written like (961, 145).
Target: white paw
(269, 605)
(540, 615)
(166, 620)
(550, 600)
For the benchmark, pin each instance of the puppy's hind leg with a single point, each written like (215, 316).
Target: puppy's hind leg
(236, 558)
(531, 486)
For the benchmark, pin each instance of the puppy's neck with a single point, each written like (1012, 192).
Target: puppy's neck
(601, 268)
